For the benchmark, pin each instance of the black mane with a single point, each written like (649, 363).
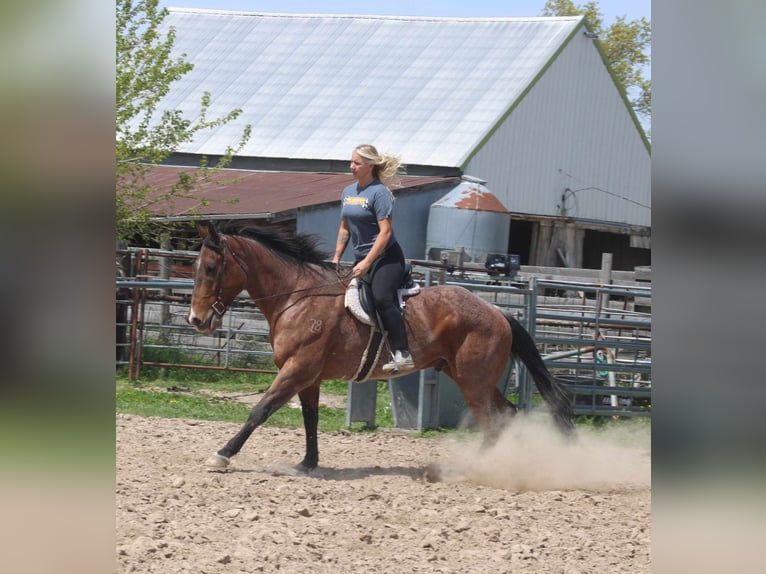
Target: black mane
(301, 248)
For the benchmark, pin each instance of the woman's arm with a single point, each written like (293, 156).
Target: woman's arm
(342, 241)
(378, 247)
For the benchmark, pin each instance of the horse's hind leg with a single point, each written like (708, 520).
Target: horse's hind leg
(477, 366)
(490, 408)
(500, 412)
(310, 406)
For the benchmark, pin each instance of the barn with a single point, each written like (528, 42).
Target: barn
(527, 106)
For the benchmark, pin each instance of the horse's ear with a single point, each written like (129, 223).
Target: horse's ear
(206, 230)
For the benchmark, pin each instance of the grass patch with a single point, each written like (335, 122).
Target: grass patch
(186, 399)
(151, 402)
(191, 398)
(161, 403)
(232, 382)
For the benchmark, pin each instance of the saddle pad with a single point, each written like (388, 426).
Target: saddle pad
(354, 305)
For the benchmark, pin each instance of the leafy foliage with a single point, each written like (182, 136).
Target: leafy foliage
(626, 45)
(146, 134)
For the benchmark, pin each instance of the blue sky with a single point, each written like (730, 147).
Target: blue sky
(632, 9)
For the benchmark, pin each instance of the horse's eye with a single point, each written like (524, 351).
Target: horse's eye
(210, 268)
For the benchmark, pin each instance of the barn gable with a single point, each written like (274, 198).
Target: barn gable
(570, 147)
(526, 104)
(314, 86)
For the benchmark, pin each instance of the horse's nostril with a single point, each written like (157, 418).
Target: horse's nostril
(195, 321)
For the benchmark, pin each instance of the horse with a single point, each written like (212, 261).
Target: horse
(315, 338)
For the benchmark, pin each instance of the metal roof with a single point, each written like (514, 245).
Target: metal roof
(238, 194)
(315, 86)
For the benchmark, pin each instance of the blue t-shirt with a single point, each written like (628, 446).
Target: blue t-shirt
(362, 208)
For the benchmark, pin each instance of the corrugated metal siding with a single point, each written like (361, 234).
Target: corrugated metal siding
(410, 215)
(476, 232)
(315, 86)
(433, 90)
(572, 130)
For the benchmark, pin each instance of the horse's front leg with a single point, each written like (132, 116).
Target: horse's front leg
(287, 383)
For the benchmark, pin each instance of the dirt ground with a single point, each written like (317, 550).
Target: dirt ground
(529, 504)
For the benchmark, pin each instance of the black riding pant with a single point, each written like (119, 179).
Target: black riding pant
(385, 277)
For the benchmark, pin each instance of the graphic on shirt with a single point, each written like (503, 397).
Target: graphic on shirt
(362, 201)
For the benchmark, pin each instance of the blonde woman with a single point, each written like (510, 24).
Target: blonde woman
(366, 208)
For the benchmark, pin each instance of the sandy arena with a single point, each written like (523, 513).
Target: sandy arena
(529, 504)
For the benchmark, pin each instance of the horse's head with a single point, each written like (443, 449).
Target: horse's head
(218, 279)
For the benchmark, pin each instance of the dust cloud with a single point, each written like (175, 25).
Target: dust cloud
(532, 455)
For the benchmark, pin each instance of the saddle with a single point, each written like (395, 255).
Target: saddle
(359, 299)
(360, 304)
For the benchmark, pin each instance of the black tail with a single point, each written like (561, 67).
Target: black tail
(551, 389)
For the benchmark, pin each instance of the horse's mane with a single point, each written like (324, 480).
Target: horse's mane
(300, 249)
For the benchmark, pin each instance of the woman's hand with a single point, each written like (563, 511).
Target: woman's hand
(361, 268)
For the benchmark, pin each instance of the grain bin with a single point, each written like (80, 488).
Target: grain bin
(469, 218)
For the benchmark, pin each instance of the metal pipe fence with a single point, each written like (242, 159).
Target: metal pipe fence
(598, 340)
(595, 338)
(157, 334)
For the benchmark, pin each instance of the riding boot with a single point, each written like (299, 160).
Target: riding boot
(402, 361)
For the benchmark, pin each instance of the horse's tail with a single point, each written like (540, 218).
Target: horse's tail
(551, 389)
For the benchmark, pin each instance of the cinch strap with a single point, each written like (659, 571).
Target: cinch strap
(370, 355)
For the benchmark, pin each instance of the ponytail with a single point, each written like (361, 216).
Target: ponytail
(387, 168)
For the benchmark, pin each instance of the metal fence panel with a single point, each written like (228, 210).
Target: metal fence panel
(595, 338)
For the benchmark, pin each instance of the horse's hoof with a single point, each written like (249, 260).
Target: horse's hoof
(301, 468)
(217, 461)
(433, 473)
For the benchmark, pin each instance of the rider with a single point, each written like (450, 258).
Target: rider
(366, 218)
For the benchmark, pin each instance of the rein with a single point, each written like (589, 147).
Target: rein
(328, 284)
(219, 307)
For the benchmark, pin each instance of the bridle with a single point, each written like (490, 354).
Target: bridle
(219, 307)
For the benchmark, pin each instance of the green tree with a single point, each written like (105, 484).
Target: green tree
(626, 45)
(146, 134)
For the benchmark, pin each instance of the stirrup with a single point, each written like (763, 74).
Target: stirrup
(399, 362)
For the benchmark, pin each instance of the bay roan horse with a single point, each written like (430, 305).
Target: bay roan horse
(315, 338)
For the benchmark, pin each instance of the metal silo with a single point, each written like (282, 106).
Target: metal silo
(468, 218)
